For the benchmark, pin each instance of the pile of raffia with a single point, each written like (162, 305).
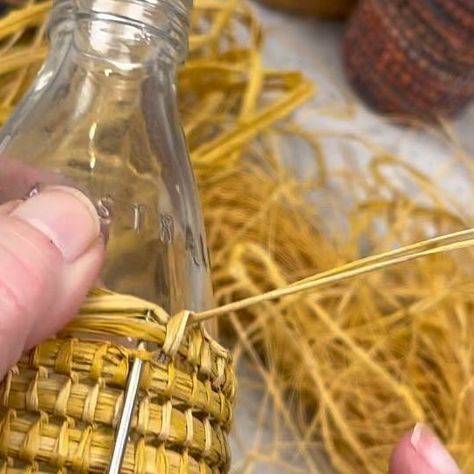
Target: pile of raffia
(346, 368)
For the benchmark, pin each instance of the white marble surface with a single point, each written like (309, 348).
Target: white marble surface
(314, 46)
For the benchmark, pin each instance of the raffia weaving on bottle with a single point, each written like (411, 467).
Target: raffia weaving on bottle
(60, 406)
(353, 366)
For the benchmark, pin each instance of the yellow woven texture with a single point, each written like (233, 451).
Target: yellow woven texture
(61, 405)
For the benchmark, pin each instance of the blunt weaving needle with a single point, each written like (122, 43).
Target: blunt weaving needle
(131, 394)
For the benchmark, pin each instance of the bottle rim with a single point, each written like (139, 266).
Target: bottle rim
(168, 20)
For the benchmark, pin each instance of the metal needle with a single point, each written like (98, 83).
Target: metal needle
(123, 429)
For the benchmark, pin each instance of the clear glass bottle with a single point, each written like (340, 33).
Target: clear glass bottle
(102, 116)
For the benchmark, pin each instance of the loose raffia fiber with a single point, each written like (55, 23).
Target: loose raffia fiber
(352, 366)
(412, 57)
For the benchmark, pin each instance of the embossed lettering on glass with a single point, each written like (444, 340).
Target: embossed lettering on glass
(102, 116)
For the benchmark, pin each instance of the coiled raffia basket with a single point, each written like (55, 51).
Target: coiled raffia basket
(322, 8)
(61, 404)
(412, 58)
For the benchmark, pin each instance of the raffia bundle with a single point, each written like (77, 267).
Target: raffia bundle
(352, 364)
(361, 361)
(414, 58)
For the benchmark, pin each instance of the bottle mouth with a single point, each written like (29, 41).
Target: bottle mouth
(168, 20)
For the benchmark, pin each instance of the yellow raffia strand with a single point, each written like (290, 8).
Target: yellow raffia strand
(354, 330)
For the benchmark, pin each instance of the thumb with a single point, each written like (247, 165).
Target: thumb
(51, 253)
(421, 452)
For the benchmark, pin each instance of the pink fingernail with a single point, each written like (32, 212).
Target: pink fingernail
(65, 216)
(432, 450)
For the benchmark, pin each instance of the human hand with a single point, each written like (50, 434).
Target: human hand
(421, 452)
(51, 253)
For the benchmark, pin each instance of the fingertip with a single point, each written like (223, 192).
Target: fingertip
(402, 457)
(65, 216)
(418, 453)
(435, 454)
(76, 280)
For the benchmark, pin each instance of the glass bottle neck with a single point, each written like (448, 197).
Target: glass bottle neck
(102, 116)
(129, 33)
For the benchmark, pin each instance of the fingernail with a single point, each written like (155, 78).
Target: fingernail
(425, 442)
(65, 216)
